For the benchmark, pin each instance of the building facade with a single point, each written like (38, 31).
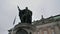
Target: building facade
(49, 25)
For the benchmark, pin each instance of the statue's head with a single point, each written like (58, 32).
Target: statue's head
(26, 8)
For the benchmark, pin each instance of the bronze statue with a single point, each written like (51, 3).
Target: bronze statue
(25, 15)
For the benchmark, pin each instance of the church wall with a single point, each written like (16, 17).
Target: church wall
(50, 28)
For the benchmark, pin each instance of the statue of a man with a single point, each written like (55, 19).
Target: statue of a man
(25, 15)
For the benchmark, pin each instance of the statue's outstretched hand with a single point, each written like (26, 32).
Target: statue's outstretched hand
(17, 6)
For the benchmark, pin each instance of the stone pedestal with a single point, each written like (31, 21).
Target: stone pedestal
(23, 28)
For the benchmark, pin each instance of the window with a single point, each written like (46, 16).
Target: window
(21, 31)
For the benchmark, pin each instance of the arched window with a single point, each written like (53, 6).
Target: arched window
(21, 31)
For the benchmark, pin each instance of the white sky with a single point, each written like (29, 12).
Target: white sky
(8, 10)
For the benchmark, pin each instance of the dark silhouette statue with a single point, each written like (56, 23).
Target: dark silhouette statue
(25, 15)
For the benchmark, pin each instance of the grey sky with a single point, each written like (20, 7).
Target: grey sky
(8, 10)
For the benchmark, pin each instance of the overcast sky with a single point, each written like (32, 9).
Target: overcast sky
(8, 10)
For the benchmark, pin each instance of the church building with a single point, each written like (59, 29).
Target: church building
(49, 25)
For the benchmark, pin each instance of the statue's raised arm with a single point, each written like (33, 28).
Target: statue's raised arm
(20, 12)
(18, 8)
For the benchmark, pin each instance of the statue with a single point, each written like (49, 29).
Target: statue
(25, 15)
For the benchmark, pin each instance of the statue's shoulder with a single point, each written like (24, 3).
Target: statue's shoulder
(30, 11)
